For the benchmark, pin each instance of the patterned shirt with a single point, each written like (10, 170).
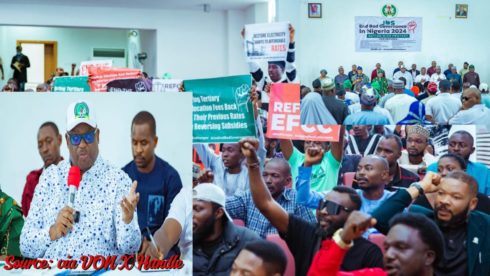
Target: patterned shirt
(241, 206)
(100, 230)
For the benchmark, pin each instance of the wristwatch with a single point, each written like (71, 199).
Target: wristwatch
(418, 187)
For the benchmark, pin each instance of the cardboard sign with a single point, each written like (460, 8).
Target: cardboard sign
(99, 77)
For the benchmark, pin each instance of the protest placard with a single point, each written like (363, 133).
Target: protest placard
(71, 84)
(85, 65)
(129, 85)
(99, 77)
(283, 120)
(222, 110)
(374, 34)
(166, 85)
(266, 42)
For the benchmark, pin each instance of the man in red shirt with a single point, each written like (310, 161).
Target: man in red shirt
(48, 144)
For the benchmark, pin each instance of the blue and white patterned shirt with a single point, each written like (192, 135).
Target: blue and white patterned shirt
(241, 206)
(100, 231)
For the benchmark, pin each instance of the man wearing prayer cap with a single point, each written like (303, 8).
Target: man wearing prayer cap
(416, 157)
(359, 79)
(367, 116)
(335, 106)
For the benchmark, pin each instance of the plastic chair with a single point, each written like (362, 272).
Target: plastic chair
(379, 240)
(348, 178)
(291, 267)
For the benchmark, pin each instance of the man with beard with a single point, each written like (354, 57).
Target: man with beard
(416, 158)
(414, 245)
(390, 148)
(362, 142)
(467, 246)
(461, 143)
(216, 240)
(158, 181)
(303, 238)
(277, 177)
(48, 145)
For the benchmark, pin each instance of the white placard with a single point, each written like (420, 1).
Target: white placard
(266, 42)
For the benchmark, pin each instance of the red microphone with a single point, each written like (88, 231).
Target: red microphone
(73, 183)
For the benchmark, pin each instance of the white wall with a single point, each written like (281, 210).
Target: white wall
(74, 44)
(149, 45)
(114, 112)
(329, 42)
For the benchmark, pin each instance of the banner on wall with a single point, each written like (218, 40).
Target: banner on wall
(266, 42)
(71, 84)
(166, 85)
(100, 77)
(85, 65)
(129, 85)
(283, 121)
(381, 34)
(222, 110)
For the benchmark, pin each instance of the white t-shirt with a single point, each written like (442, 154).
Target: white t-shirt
(442, 108)
(352, 96)
(399, 106)
(422, 78)
(479, 115)
(181, 211)
(437, 77)
(407, 75)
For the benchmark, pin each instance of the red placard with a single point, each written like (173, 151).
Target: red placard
(99, 77)
(283, 121)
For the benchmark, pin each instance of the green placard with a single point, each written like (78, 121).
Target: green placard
(222, 111)
(71, 84)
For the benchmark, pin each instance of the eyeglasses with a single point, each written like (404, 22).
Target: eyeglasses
(76, 139)
(332, 207)
(464, 98)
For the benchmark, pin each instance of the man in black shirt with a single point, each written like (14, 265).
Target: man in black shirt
(19, 64)
(336, 107)
(362, 142)
(390, 148)
(303, 238)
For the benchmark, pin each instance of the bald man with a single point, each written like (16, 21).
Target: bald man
(473, 112)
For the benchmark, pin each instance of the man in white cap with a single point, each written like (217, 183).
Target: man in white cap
(367, 115)
(107, 223)
(399, 104)
(217, 241)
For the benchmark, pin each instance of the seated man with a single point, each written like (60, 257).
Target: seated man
(108, 224)
(461, 143)
(362, 142)
(217, 241)
(277, 176)
(158, 181)
(260, 258)
(414, 246)
(390, 148)
(48, 145)
(303, 238)
(416, 158)
(467, 245)
(11, 223)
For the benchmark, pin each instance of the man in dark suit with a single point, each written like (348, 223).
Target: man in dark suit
(19, 64)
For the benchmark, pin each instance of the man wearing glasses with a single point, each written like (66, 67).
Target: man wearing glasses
(107, 224)
(473, 112)
(304, 238)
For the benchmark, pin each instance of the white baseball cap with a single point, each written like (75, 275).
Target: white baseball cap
(212, 193)
(483, 86)
(80, 112)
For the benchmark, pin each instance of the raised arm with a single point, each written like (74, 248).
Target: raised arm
(261, 196)
(286, 148)
(337, 148)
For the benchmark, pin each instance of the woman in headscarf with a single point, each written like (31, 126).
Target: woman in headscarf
(416, 115)
(314, 112)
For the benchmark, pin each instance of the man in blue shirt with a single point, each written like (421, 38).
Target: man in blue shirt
(158, 181)
(367, 116)
(461, 143)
